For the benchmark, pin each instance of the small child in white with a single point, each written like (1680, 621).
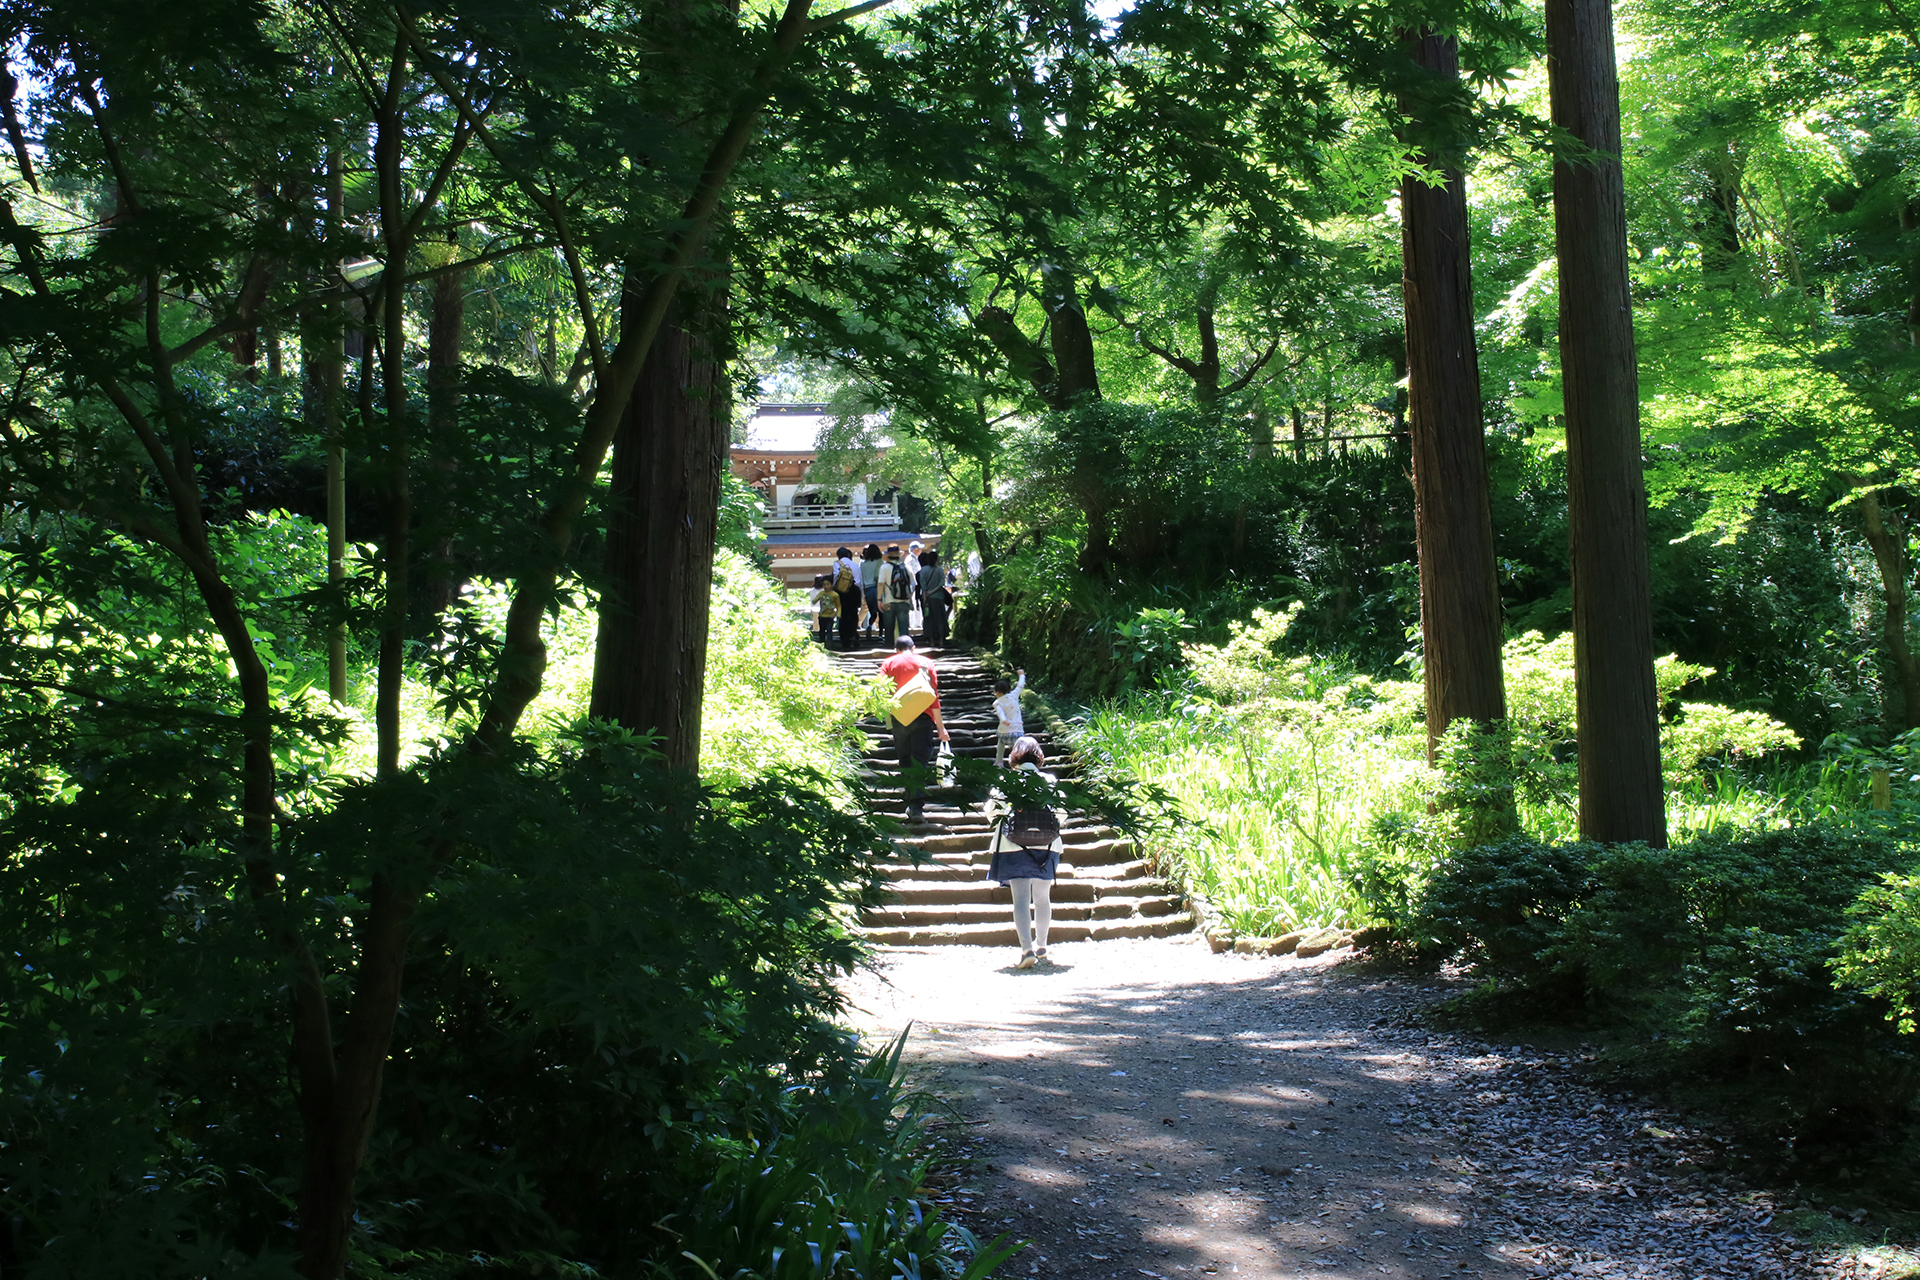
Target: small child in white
(1006, 705)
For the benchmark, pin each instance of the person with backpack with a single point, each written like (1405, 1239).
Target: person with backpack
(846, 581)
(895, 598)
(935, 599)
(870, 566)
(826, 607)
(1026, 845)
(914, 719)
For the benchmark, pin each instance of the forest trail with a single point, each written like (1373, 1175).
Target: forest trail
(1148, 1108)
(1104, 890)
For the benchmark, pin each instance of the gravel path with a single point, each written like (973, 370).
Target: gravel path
(1150, 1108)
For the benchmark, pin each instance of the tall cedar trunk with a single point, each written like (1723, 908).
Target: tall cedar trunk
(1888, 539)
(1621, 796)
(662, 523)
(1299, 435)
(446, 325)
(1453, 515)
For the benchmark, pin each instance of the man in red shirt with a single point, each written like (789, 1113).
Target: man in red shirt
(914, 744)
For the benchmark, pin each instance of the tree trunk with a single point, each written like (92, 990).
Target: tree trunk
(1621, 795)
(1888, 539)
(1023, 355)
(1262, 434)
(650, 664)
(1072, 339)
(981, 618)
(446, 326)
(1720, 221)
(1453, 515)
(1206, 375)
(326, 364)
(1299, 435)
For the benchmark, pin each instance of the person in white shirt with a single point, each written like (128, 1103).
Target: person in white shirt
(912, 562)
(1006, 705)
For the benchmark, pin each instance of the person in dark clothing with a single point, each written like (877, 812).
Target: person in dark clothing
(846, 581)
(935, 599)
(917, 742)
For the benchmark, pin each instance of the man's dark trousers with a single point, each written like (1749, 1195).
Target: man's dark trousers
(913, 744)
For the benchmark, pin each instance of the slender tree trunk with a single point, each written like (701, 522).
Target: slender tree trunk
(1262, 422)
(446, 325)
(330, 378)
(340, 1105)
(1453, 515)
(1621, 795)
(1887, 536)
(650, 663)
(1299, 435)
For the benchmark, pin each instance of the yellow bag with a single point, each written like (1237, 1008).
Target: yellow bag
(911, 700)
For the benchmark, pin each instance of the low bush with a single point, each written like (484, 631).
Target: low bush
(1768, 961)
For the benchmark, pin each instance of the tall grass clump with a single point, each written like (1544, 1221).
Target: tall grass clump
(1313, 801)
(1282, 764)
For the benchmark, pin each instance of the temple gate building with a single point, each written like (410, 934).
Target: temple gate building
(802, 530)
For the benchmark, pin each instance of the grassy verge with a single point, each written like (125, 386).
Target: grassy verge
(1296, 769)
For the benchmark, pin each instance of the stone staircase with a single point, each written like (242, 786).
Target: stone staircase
(1103, 890)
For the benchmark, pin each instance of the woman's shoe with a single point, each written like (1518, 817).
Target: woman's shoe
(1027, 960)
(1040, 953)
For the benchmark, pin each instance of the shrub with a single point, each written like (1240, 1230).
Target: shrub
(1505, 906)
(1880, 951)
(1715, 954)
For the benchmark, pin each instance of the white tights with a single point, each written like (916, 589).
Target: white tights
(1038, 894)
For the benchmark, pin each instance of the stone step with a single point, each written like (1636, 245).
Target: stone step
(1002, 935)
(908, 914)
(978, 891)
(942, 897)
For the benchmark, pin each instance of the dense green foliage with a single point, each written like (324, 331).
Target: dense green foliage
(315, 879)
(1312, 791)
(620, 999)
(1714, 961)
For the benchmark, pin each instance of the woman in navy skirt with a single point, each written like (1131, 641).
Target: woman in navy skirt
(1027, 871)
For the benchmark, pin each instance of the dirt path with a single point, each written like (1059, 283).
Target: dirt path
(1150, 1108)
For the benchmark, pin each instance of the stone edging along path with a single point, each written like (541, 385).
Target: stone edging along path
(1149, 1108)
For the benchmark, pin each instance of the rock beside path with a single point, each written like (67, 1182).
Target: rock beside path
(1152, 1108)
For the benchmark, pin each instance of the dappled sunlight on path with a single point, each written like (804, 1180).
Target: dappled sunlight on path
(1150, 1108)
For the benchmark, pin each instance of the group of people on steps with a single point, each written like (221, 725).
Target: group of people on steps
(1027, 840)
(877, 594)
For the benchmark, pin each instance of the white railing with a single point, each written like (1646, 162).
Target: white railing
(839, 515)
